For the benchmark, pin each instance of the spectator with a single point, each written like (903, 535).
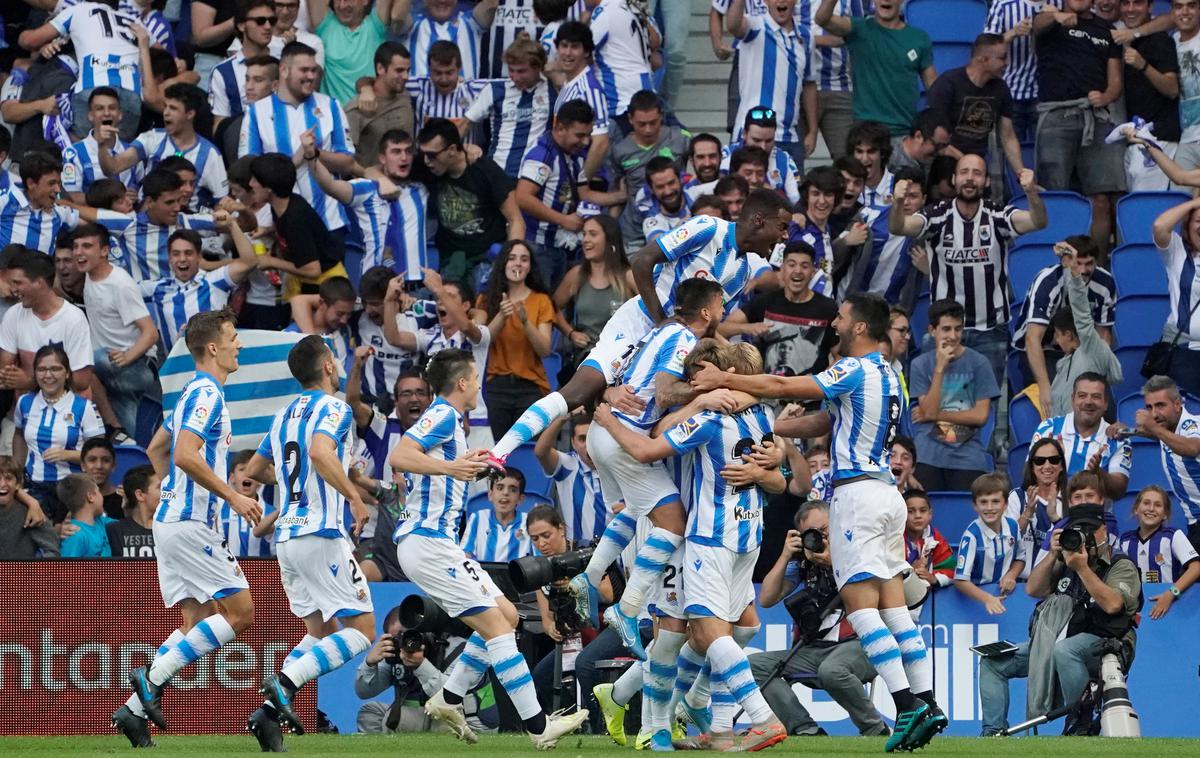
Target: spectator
(1151, 86)
(1085, 437)
(662, 203)
(647, 139)
(513, 20)
(254, 21)
(955, 388)
(98, 459)
(107, 194)
(1077, 62)
(351, 35)
(711, 205)
(885, 261)
(969, 251)
(410, 398)
(474, 201)
(831, 71)
(28, 214)
(821, 189)
(626, 40)
(759, 130)
(1040, 501)
(1013, 21)
(733, 191)
(926, 550)
(133, 535)
(328, 314)
(993, 549)
(443, 93)
(408, 236)
(576, 482)
(85, 507)
(749, 163)
(288, 28)
(81, 161)
(517, 109)
(242, 538)
(391, 105)
(24, 531)
(213, 30)
(887, 57)
(593, 290)
(68, 279)
(1185, 14)
(574, 46)
(772, 59)
(904, 464)
(900, 335)
(519, 314)
(444, 20)
(1179, 253)
(261, 79)
(970, 103)
(870, 143)
(1162, 553)
(498, 533)
(704, 154)
(369, 325)
(916, 148)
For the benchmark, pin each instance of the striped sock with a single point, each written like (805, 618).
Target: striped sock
(729, 666)
(301, 648)
(724, 708)
(880, 646)
(203, 638)
(617, 536)
(917, 666)
(630, 681)
(652, 560)
(690, 667)
(659, 676)
(325, 656)
(469, 669)
(513, 673)
(134, 702)
(531, 423)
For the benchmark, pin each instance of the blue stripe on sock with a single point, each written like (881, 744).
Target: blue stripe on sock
(685, 665)
(875, 636)
(622, 520)
(912, 656)
(737, 668)
(906, 635)
(724, 697)
(472, 662)
(322, 659)
(163, 649)
(187, 651)
(661, 669)
(507, 664)
(342, 647)
(649, 564)
(518, 683)
(655, 694)
(744, 691)
(208, 633)
(879, 659)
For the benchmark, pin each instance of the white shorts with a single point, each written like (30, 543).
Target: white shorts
(866, 531)
(719, 582)
(194, 562)
(667, 597)
(619, 338)
(444, 572)
(642, 487)
(320, 574)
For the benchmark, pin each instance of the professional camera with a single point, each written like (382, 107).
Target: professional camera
(564, 611)
(419, 614)
(1072, 539)
(808, 605)
(536, 571)
(410, 641)
(813, 540)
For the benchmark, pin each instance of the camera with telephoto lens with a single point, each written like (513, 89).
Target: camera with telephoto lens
(813, 540)
(409, 641)
(534, 572)
(1072, 539)
(419, 614)
(808, 605)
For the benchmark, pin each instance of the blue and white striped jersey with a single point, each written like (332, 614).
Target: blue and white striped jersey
(172, 302)
(156, 145)
(705, 247)
(341, 342)
(1163, 556)
(1116, 455)
(557, 176)
(308, 504)
(81, 165)
(822, 485)
(433, 503)
(408, 233)
(145, 252)
(462, 29)
(773, 64)
(36, 229)
(384, 366)
(580, 499)
(227, 89)
(105, 47)
(587, 87)
(1183, 287)
(782, 174)
(622, 53)
(721, 515)
(238, 533)
(516, 118)
(273, 126)
(657, 220)
(985, 555)
(433, 340)
(513, 18)
(830, 66)
(886, 270)
(487, 540)
(369, 216)
(201, 410)
(429, 102)
(864, 398)
(1021, 73)
(661, 351)
(1048, 294)
(158, 29)
(1183, 474)
(63, 425)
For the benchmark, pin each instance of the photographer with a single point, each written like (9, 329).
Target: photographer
(1090, 597)
(827, 647)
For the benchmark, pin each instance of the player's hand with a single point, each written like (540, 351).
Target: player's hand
(993, 605)
(384, 648)
(1162, 604)
(742, 474)
(361, 515)
(720, 401)
(34, 515)
(1007, 585)
(709, 377)
(469, 466)
(54, 455)
(361, 353)
(625, 400)
(1026, 179)
(246, 507)
(793, 544)
(767, 454)
(603, 415)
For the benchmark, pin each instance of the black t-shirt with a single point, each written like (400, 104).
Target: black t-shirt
(801, 333)
(302, 237)
(1141, 98)
(968, 112)
(114, 505)
(129, 539)
(468, 209)
(224, 9)
(1073, 60)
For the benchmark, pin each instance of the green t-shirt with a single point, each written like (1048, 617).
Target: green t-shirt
(886, 66)
(349, 54)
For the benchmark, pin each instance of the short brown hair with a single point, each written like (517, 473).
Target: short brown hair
(9, 466)
(525, 50)
(1085, 480)
(205, 328)
(988, 484)
(73, 491)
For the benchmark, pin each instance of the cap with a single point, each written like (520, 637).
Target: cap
(1085, 514)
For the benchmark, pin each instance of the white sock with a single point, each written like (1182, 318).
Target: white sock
(630, 681)
(724, 708)
(532, 423)
(513, 673)
(203, 638)
(330, 653)
(917, 666)
(660, 676)
(469, 668)
(134, 703)
(729, 666)
(652, 559)
(880, 646)
(688, 667)
(617, 536)
(301, 648)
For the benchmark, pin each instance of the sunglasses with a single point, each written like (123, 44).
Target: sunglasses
(263, 20)
(761, 114)
(1042, 460)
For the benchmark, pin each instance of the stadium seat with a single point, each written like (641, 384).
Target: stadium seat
(947, 21)
(1128, 406)
(1016, 463)
(526, 462)
(128, 456)
(1123, 511)
(1023, 418)
(952, 512)
(1012, 183)
(919, 321)
(1132, 380)
(1024, 262)
(553, 364)
(1069, 213)
(1147, 464)
(950, 55)
(1138, 270)
(1140, 319)
(1136, 212)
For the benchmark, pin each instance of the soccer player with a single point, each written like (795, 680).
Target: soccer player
(867, 516)
(437, 466)
(702, 244)
(195, 570)
(309, 447)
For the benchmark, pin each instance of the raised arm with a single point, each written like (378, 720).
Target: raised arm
(900, 223)
(1164, 225)
(363, 414)
(113, 165)
(544, 449)
(1035, 218)
(316, 12)
(643, 264)
(839, 26)
(392, 332)
(735, 19)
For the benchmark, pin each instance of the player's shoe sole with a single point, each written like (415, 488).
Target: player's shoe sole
(151, 696)
(495, 468)
(452, 716)
(614, 715)
(627, 628)
(760, 738)
(265, 729)
(587, 598)
(559, 725)
(273, 690)
(907, 724)
(133, 726)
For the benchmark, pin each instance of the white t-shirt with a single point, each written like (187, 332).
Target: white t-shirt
(114, 304)
(23, 333)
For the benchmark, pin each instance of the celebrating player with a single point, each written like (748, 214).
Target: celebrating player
(195, 569)
(309, 447)
(867, 515)
(433, 456)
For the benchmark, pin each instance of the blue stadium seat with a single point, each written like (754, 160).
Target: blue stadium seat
(1136, 212)
(553, 364)
(1138, 269)
(952, 512)
(526, 462)
(1013, 368)
(1010, 178)
(919, 321)
(1016, 463)
(1132, 380)
(1123, 511)
(1023, 418)
(951, 55)
(1147, 464)
(1128, 407)
(947, 21)
(1140, 319)
(1069, 212)
(128, 456)
(1024, 262)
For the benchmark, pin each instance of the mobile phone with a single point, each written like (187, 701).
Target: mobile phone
(994, 649)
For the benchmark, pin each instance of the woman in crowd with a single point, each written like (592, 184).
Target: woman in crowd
(1039, 502)
(593, 290)
(52, 425)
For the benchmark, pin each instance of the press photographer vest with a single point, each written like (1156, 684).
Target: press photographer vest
(1088, 616)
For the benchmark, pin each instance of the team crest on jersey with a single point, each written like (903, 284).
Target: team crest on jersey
(362, 594)
(1158, 558)
(519, 534)
(985, 234)
(672, 598)
(1010, 541)
(69, 417)
(1188, 425)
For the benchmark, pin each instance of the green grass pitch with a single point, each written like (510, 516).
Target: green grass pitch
(420, 745)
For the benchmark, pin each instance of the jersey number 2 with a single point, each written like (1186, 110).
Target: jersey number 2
(291, 455)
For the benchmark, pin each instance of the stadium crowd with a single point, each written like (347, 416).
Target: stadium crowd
(403, 177)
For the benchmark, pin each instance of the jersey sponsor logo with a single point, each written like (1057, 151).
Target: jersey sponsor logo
(333, 569)
(1188, 425)
(689, 427)
(967, 255)
(425, 425)
(746, 514)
